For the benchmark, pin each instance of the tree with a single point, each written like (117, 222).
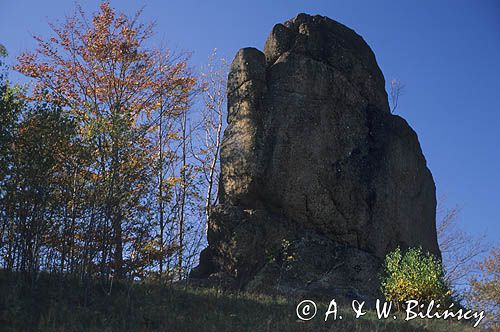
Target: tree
(3, 51)
(10, 110)
(10, 107)
(484, 293)
(396, 91)
(201, 135)
(116, 89)
(213, 87)
(31, 202)
(459, 249)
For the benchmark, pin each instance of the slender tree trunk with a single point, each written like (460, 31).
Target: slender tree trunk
(160, 195)
(183, 195)
(213, 166)
(118, 254)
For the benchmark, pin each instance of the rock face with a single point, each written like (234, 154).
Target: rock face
(318, 179)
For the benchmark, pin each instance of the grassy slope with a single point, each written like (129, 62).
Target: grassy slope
(66, 306)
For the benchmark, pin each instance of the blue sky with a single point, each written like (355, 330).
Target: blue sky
(447, 53)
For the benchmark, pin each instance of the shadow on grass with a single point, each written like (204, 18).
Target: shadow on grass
(55, 304)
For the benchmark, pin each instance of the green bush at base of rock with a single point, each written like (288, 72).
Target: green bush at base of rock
(414, 275)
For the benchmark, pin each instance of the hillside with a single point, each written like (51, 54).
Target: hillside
(55, 304)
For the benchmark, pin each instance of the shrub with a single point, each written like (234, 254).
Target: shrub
(414, 275)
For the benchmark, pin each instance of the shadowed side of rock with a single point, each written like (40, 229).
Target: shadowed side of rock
(318, 180)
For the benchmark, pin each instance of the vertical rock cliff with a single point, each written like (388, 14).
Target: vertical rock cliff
(318, 179)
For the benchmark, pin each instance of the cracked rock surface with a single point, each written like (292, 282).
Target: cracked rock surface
(318, 179)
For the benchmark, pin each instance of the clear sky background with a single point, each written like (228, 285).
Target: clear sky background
(447, 53)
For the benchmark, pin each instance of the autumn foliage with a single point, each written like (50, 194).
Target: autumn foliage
(96, 173)
(100, 67)
(484, 293)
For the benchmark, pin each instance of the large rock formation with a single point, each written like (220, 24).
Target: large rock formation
(318, 179)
